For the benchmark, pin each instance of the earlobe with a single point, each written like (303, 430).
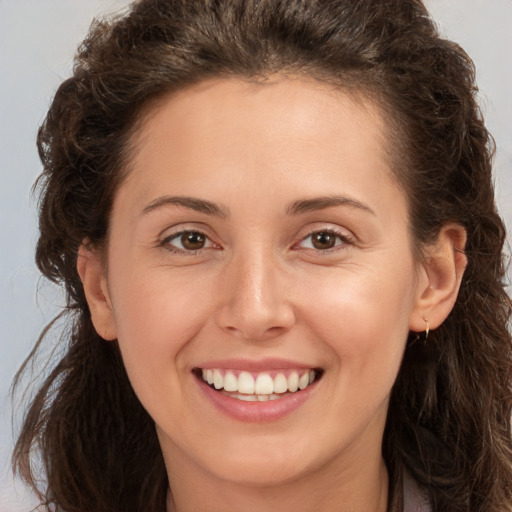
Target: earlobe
(92, 274)
(440, 278)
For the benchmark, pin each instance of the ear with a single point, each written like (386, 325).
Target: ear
(91, 270)
(440, 275)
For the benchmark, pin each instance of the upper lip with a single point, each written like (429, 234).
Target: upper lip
(259, 365)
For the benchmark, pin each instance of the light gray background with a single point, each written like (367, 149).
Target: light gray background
(37, 42)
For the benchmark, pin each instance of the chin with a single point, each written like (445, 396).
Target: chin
(266, 462)
(261, 474)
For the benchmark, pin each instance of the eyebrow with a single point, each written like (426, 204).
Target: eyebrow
(320, 203)
(192, 203)
(296, 208)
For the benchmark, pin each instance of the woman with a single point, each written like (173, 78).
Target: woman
(276, 228)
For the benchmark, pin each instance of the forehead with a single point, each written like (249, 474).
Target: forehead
(278, 107)
(287, 127)
(297, 101)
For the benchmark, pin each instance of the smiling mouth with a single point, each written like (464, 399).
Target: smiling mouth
(258, 386)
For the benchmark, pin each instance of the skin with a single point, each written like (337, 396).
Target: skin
(260, 288)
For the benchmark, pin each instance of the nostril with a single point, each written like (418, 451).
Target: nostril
(256, 330)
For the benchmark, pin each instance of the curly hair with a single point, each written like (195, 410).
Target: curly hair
(449, 420)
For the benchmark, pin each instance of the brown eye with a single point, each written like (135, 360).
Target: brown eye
(323, 240)
(192, 240)
(187, 242)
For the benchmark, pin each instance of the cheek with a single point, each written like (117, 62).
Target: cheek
(364, 324)
(155, 318)
(363, 316)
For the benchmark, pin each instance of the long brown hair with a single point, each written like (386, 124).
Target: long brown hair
(449, 419)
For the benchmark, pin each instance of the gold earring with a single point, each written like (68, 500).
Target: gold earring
(418, 335)
(427, 329)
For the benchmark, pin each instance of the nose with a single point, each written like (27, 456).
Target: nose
(255, 305)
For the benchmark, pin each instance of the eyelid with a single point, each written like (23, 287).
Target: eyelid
(182, 232)
(170, 234)
(346, 237)
(185, 227)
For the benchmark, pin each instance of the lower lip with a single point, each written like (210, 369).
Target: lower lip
(272, 410)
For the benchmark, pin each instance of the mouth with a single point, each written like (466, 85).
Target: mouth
(258, 386)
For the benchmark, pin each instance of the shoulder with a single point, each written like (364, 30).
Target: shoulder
(414, 498)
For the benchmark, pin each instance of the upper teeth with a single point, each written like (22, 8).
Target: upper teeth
(260, 383)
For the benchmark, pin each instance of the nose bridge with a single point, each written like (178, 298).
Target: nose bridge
(255, 277)
(256, 305)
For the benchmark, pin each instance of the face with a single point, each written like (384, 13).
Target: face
(260, 242)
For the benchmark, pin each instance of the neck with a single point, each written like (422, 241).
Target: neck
(340, 489)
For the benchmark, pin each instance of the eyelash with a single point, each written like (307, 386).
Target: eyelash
(342, 241)
(167, 242)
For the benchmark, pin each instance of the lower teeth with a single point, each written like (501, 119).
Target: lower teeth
(255, 398)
